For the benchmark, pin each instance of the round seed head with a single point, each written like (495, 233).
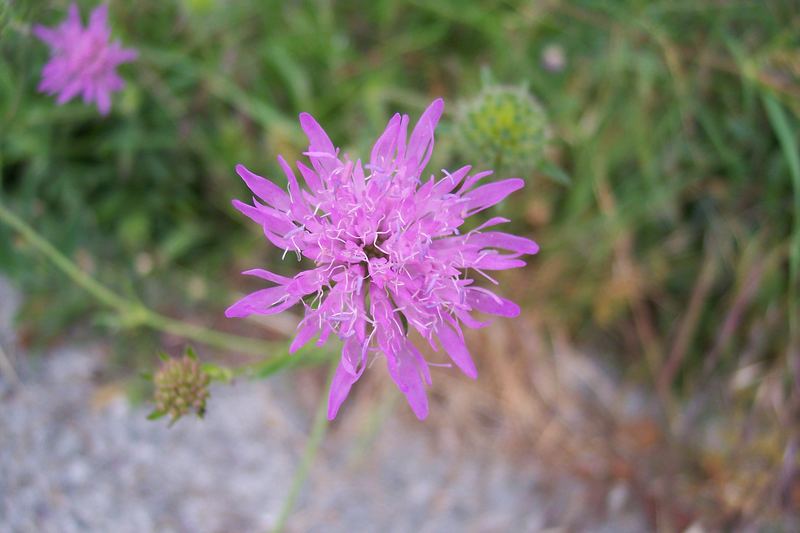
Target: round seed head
(181, 386)
(503, 128)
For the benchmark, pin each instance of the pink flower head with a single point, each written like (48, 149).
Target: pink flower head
(83, 60)
(387, 250)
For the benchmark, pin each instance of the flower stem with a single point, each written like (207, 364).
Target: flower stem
(318, 430)
(131, 312)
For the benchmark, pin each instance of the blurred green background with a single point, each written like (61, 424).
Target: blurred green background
(673, 249)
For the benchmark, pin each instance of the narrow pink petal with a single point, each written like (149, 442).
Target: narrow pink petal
(469, 320)
(318, 140)
(422, 365)
(325, 332)
(402, 133)
(69, 92)
(450, 181)
(98, 19)
(298, 205)
(306, 333)
(311, 177)
(488, 302)
(497, 262)
(456, 349)
(263, 217)
(264, 189)
(73, 17)
(340, 388)
(354, 356)
(359, 180)
(383, 151)
(494, 221)
(267, 275)
(506, 241)
(420, 145)
(89, 93)
(405, 373)
(260, 302)
(103, 102)
(126, 55)
(308, 281)
(475, 178)
(491, 193)
(45, 34)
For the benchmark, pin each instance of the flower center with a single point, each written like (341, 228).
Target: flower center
(373, 251)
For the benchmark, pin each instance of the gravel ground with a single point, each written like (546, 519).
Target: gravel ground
(78, 457)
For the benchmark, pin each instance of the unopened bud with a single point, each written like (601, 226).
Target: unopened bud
(503, 129)
(181, 386)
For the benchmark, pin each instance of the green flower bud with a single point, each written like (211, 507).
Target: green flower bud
(503, 129)
(181, 386)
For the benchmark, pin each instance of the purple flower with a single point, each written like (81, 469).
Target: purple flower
(83, 60)
(388, 253)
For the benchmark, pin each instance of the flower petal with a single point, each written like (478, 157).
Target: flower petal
(311, 178)
(506, 241)
(318, 140)
(299, 208)
(491, 194)
(45, 34)
(307, 331)
(264, 189)
(405, 372)
(98, 21)
(321, 152)
(456, 349)
(103, 102)
(450, 181)
(340, 388)
(385, 148)
(497, 262)
(263, 217)
(262, 302)
(354, 356)
(267, 275)
(73, 17)
(420, 145)
(488, 302)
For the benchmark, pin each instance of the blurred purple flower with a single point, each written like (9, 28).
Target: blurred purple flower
(83, 60)
(388, 253)
(554, 58)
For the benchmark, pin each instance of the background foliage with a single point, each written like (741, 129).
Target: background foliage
(674, 252)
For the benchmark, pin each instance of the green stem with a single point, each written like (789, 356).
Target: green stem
(210, 337)
(131, 312)
(318, 430)
(81, 278)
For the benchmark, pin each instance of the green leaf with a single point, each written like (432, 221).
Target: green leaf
(155, 415)
(788, 141)
(190, 353)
